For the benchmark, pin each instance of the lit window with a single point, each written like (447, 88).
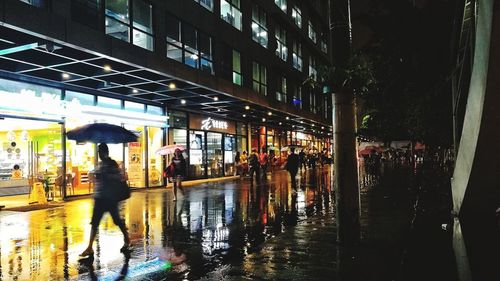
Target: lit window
(297, 98)
(312, 68)
(281, 4)
(311, 32)
(36, 3)
(237, 68)
(259, 26)
(281, 93)
(230, 12)
(207, 4)
(259, 77)
(281, 48)
(297, 17)
(187, 45)
(324, 46)
(297, 55)
(137, 30)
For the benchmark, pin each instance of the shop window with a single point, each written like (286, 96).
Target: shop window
(109, 102)
(154, 110)
(259, 26)
(196, 153)
(259, 77)
(297, 17)
(237, 78)
(135, 158)
(281, 48)
(214, 155)
(134, 106)
(229, 154)
(241, 128)
(311, 32)
(155, 165)
(207, 4)
(297, 55)
(281, 4)
(83, 99)
(137, 30)
(230, 12)
(86, 12)
(187, 45)
(281, 93)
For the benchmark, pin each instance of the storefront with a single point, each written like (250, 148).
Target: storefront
(211, 143)
(34, 148)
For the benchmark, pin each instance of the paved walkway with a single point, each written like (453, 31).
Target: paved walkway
(219, 231)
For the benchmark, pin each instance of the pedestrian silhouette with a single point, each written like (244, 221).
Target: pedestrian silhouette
(108, 175)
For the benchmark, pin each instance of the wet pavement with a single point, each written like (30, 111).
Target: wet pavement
(235, 230)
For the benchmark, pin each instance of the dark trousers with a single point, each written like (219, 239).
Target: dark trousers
(293, 175)
(102, 206)
(254, 170)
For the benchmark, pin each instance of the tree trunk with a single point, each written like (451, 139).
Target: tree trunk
(346, 169)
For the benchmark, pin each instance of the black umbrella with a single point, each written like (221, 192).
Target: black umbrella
(101, 133)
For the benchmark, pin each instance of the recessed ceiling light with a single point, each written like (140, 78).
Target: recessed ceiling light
(287, 118)
(312, 125)
(269, 113)
(216, 98)
(263, 119)
(172, 85)
(293, 126)
(107, 67)
(135, 91)
(183, 101)
(218, 109)
(244, 115)
(322, 128)
(247, 107)
(301, 122)
(65, 76)
(281, 123)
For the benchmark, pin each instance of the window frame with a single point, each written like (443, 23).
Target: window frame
(281, 93)
(259, 23)
(280, 5)
(297, 55)
(235, 7)
(261, 83)
(280, 37)
(297, 16)
(203, 4)
(311, 32)
(235, 73)
(130, 24)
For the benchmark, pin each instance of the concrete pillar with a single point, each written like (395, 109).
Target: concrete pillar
(476, 178)
(346, 170)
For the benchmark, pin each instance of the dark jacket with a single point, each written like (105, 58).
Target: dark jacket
(179, 166)
(107, 176)
(292, 163)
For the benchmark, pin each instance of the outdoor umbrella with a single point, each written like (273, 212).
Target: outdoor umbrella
(169, 149)
(101, 133)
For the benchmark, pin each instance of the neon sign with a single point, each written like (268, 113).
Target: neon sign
(210, 123)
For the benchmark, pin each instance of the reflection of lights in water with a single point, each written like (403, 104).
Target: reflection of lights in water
(148, 267)
(301, 204)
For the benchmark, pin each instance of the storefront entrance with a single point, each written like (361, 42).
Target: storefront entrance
(30, 151)
(205, 155)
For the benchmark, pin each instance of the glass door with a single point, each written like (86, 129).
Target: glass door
(197, 155)
(229, 154)
(214, 155)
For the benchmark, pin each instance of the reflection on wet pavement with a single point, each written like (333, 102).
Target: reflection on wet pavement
(213, 225)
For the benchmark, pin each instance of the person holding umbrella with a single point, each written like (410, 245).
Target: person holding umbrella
(110, 183)
(107, 175)
(179, 167)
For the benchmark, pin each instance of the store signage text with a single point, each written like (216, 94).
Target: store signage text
(210, 123)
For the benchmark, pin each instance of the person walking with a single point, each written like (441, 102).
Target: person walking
(292, 166)
(237, 164)
(253, 161)
(107, 175)
(302, 159)
(179, 167)
(244, 163)
(264, 163)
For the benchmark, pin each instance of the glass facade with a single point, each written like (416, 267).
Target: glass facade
(259, 26)
(259, 77)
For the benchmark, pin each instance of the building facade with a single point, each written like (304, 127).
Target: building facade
(216, 76)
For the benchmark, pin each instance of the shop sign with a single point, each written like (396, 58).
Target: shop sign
(198, 122)
(210, 123)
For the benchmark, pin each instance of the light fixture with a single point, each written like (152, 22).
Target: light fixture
(247, 107)
(269, 113)
(244, 115)
(280, 123)
(293, 126)
(301, 122)
(135, 91)
(263, 119)
(312, 125)
(172, 86)
(216, 98)
(65, 75)
(218, 109)
(183, 101)
(287, 118)
(322, 128)
(107, 67)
